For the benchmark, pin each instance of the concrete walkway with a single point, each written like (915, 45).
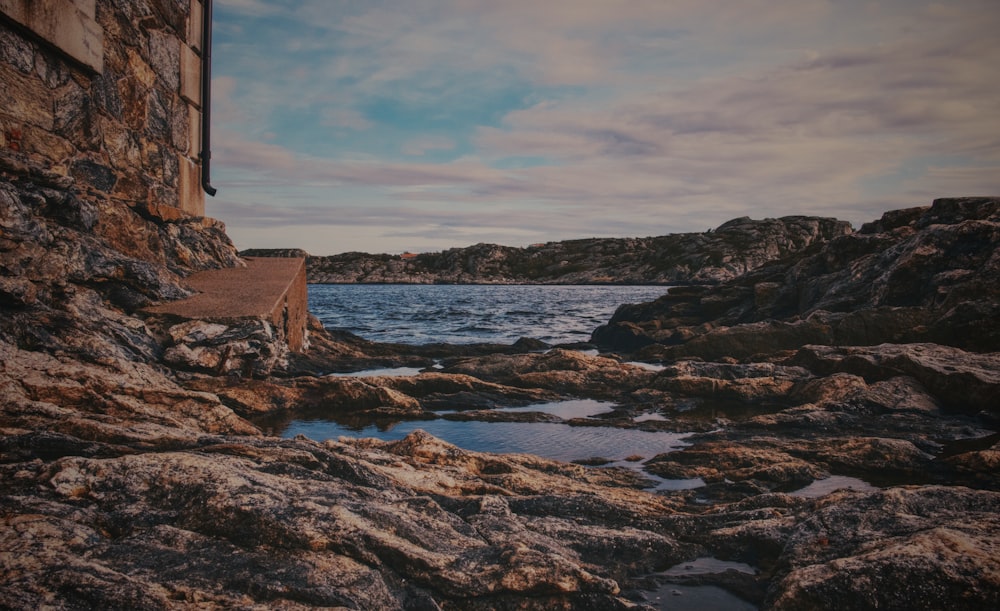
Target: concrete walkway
(240, 292)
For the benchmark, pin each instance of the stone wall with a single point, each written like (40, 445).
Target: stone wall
(108, 93)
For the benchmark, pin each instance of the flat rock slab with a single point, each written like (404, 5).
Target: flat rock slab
(253, 291)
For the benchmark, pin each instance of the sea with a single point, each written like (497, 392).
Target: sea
(465, 314)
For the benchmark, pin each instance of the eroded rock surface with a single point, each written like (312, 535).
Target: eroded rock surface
(133, 480)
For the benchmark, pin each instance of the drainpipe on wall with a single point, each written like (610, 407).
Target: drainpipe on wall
(206, 99)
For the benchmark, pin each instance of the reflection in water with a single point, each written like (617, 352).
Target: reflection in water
(822, 487)
(651, 416)
(707, 565)
(696, 598)
(546, 439)
(648, 366)
(567, 410)
(677, 596)
(371, 373)
(674, 484)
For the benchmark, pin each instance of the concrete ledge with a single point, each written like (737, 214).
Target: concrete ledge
(267, 288)
(67, 25)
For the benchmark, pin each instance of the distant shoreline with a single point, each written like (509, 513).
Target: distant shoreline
(707, 258)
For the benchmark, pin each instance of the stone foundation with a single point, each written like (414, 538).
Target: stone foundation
(243, 319)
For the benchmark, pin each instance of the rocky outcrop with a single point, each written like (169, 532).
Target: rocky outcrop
(72, 265)
(919, 275)
(830, 404)
(702, 258)
(133, 480)
(298, 524)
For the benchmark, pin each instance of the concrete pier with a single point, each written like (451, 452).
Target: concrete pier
(268, 288)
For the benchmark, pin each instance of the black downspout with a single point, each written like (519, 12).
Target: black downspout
(206, 99)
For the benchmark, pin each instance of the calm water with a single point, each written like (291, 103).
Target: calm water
(546, 439)
(465, 314)
(554, 440)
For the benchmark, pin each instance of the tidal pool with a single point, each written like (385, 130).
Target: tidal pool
(707, 565)
(567, 410)
(546, 439)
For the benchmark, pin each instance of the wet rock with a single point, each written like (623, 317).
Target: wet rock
(563, 371)
(724, 461)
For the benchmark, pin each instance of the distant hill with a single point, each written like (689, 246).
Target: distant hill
(732, 249)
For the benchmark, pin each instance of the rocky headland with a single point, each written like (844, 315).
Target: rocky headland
(134, 482)
(711, 257)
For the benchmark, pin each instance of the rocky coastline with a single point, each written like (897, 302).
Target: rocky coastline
(132, 483)
(711, 257)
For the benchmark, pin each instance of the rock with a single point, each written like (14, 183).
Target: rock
(721, 461)
(878, 459)
(17, 291)
(248, 347)
(711, 257)
(928, 280)
(402, 396)
(116, 402)
(342, 519)
(939, 550)
(748, 383)
(563, 371)
(966, 380)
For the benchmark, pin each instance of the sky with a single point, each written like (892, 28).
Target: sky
(387, 126)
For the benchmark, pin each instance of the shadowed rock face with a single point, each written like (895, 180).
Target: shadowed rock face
(126, 483)
(919, 275)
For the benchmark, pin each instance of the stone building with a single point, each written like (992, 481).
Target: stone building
(108, 93)
(105, 100)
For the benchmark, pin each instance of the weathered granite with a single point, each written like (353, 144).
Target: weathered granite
(128, 482)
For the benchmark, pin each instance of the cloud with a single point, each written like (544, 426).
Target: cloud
(345, 118)
(424, 144)
(424, 118)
